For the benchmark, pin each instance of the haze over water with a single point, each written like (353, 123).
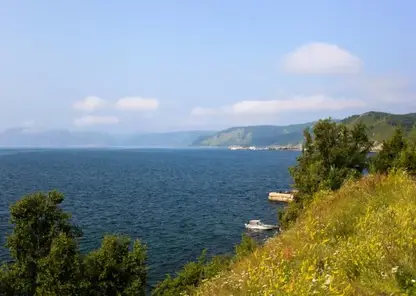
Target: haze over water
(177, 201)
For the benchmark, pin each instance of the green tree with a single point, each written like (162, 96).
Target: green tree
(114, 270)
(9, 281)
(390, 154)
(412, 137)
(399, 153)
(37, 221)
(407, 159)
(47, 260)
(60, 272)
(331, 154)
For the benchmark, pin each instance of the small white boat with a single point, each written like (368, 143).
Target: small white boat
(257, 224)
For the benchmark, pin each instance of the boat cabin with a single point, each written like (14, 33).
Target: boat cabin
(254, 222)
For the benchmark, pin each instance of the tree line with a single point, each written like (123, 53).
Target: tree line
(333, 153)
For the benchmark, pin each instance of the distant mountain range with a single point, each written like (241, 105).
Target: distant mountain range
(22, 137)
(380, 127)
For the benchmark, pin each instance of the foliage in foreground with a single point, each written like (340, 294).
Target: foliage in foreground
(397, 153)
(359, 240)
(47, 260)
(194, 273)
(332, 153)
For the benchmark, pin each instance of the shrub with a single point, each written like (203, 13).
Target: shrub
(193, 274)
(397, 153)
(47, 260)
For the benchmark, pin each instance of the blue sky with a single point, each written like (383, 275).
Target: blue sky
(130, 65)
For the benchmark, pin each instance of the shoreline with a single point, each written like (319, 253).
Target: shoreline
(270, 148)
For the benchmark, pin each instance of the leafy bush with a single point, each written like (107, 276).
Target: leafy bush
(194, 273)
(191, 275)
(186, 279)
(397, 153)
(47, 260)
(389, 155)
(246, 247)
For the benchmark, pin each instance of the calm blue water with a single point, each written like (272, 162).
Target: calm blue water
(177, 201)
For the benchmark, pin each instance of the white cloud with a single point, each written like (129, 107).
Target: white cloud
(96, 120)
(137, 104)
(89, 104)
(299, 103)
(321, 58)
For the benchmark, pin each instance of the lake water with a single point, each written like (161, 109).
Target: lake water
(177, 201)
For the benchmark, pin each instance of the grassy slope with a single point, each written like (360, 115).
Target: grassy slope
(381, 125)
(360, 240)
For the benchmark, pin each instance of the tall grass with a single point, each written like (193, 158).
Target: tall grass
(360, 240)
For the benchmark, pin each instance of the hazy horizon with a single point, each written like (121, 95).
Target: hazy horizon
(31, 129)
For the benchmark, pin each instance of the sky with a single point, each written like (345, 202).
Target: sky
(130, 65)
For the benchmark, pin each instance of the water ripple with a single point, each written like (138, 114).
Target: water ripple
(177, 201)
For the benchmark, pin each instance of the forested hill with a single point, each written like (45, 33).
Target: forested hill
(381, 125)
(261, 135)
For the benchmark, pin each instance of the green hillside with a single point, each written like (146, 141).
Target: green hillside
(262, 135)
(359, 240)
(382, 125)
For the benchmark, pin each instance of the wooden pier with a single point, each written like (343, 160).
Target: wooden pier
(286, 196)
